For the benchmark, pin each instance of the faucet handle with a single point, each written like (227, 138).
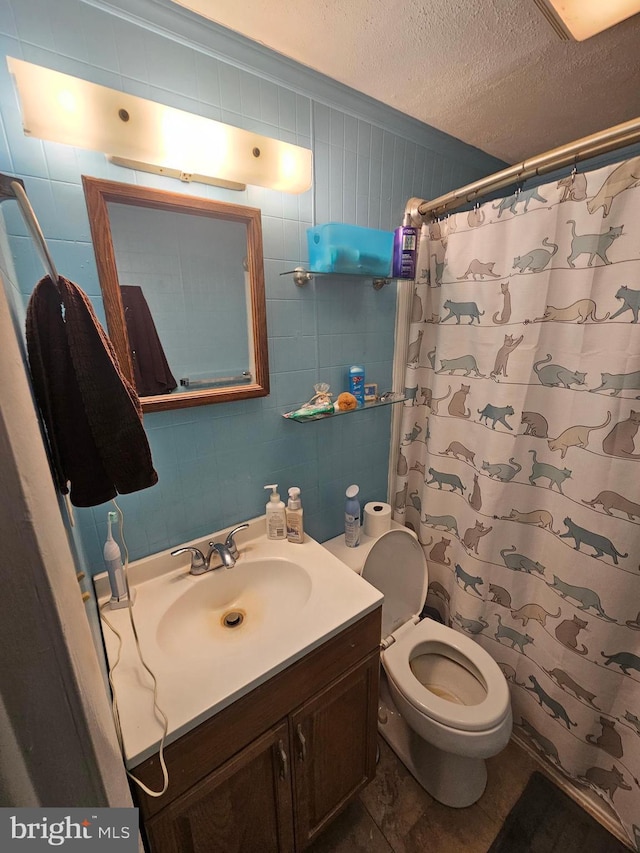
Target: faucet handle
(198, 560)
(230, 542)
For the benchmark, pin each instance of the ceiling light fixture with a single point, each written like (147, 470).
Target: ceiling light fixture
(581, 19)
(145, 135)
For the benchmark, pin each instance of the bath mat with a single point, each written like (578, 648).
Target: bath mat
(546, 820)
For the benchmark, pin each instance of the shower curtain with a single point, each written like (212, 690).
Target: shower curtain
(519, 465)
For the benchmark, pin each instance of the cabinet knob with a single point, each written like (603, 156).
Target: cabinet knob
(303, 743)
(284, 769)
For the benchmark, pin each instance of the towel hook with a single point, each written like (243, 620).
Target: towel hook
(36, 231)
(11, 187)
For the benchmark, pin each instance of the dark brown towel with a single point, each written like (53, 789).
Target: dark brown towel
(92, 414)
(151, 369)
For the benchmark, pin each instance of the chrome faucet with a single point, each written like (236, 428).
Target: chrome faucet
(227, 551)
(223, 552)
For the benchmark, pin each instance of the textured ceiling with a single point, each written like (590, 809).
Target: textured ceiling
(490, 72)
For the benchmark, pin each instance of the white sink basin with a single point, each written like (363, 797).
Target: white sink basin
(212, 638)
(236, 609)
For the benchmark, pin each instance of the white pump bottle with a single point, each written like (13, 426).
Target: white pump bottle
(295, 529)
(276, 521)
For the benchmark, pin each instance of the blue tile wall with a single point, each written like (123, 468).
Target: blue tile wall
(213, 461)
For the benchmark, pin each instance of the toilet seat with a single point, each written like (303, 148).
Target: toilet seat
(396, 565)
(430, 637)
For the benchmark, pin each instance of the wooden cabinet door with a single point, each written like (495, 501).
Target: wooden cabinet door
(333, 739)
(245, 806)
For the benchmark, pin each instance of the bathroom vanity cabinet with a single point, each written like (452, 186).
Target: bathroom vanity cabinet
(269, 772)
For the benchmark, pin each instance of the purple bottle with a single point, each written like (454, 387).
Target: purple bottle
(405, 248)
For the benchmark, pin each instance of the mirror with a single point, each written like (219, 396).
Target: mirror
(182, 280)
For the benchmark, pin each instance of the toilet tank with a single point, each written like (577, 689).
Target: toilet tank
(355, 557)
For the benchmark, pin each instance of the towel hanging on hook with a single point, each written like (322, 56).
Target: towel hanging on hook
(97, 443)
(93, 416)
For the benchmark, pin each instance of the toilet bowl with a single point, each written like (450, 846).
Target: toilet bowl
(444, 702)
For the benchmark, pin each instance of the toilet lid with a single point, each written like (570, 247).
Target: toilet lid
(397, 567)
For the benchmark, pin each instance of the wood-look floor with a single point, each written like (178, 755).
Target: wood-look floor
(394, 814)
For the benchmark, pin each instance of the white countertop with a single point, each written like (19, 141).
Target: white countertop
(212, 673)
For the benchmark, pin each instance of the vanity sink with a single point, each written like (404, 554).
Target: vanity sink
(235, 608)
(212, 638)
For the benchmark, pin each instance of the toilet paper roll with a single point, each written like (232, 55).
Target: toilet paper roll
(377, 518)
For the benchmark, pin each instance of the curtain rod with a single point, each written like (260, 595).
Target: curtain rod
(582, 149)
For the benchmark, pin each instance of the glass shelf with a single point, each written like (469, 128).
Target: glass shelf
(340, 274)
(374, 404)
(302, 276)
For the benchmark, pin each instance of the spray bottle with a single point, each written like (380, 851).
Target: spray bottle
(352, 518)
(115, 570)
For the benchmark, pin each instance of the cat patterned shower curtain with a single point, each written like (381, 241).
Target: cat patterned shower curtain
(519, 465)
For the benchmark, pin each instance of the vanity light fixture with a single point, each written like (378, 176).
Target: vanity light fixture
(142, 134)
(578, 20)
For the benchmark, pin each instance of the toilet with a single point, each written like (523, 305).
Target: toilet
(444, 702)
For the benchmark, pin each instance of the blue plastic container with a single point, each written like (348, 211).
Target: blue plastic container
(350, 249)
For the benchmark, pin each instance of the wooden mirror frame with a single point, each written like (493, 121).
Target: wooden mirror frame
(98, 193)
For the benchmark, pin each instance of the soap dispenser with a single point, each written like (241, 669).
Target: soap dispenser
(295, 529)
(276, 521)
